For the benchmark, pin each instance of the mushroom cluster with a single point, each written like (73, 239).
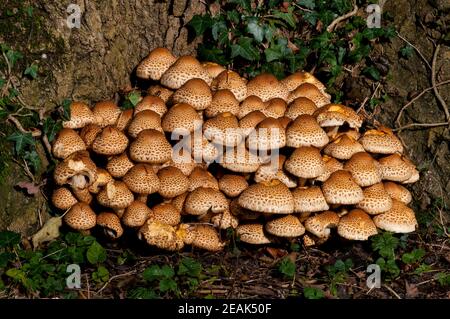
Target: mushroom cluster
(269, 158)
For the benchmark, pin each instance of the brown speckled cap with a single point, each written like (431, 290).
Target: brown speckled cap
(275, 108)
(305, 162)
(399, 219)
(119, 165)
(213, 69)
(319, 225)
(269, 134)
(181, 117)
(223, 129)
(296, 79)
(336, 115)
(364, 168)
(185, 68)
(110, 141)
(155, 64)
(305, 131)
(110, 223)
(141, 179)
(376, 200)
(136, 214)
(63, 198)
(172, 182)
(106, 113)
(77, 170)
(150, 146)
(311, 92)
(232, 185)
(204, 237)
(285, 226)
(161, 235)
(331, 165)
(250, 104)
(232, 81)
(115, 195)
(252, 234)
(300, 106)
(381, 141)
(165, 213)
(249, 122)
(152, 103)
(356, 225)
(266, 87)
(269, 171)
(194, 92)
(222, 101)
(89, 133)
(203, 200)
(67, 142)
(398, 192)
(225, 220)
(80, 116)
(124, 119)
(340, 188)
(200, 177)
(144, 120)
(343, 147)
(309, 199)
(161, 92)
(395, 168)
(80, 217)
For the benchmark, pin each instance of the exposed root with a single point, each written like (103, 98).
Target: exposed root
(335, 22)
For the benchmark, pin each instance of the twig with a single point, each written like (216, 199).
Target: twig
(433, 83)
(115, 277)
(35, 133)
(367, 99)
(420, 125)
(392, 291)
(333, 24)
(415, 48)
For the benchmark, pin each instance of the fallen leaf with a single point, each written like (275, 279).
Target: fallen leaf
(275, 252)
(48, 232)
(292, 46)
(31, 188)
(411, 290)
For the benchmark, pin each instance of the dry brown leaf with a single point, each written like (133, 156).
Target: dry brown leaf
(31, 188)
(48, 232)
(411, 290)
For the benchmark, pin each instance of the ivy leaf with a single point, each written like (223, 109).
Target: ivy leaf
(32, 71)
(372, 72)
(21, 141)
(13, 56)
(245, 49)
(134, 97)
(256, 30)
(220, 32)
(406, 52)
(310, 4)
(313, 293)
(233, 16)
(66, 109)
(287, 17)
(244, 4)
(212, 54)
(201, 23)
(51, 128)
(310, 17)
(9, 238)
(33, 159)
(96, 253)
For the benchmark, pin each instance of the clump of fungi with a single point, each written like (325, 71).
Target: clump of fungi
(271, 159)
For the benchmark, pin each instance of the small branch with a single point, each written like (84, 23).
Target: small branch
(132, 272)
(420, 125)
(333, 24)
(392, 291)
(415, 48)
(35, 133)
(433, 83)
(367, 99)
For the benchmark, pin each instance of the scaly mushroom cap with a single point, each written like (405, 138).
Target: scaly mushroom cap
(63, 198)
(181, 118)
(239, 160)
(225, 220)
(222, 101)
(161, 235)
(89, 133)
(311, 92)
(376, 200)
(223, 129)
(269, 134)
(204, 237)
(110, 141)
(340, 188)
(182, 160)
(305, 131)
(165, 213)
(308, 241)
(309, 199)
(266, 87)
(200, 177)
(83, 195)
(394, 168)
(356, 225)
(252, 234)
(155, 64)
(151, 103)
(241, 213)
(119, 165)
(398, 192)
(103, 178)
(399, 219)
(124, 119)
(331, 165)
(213, 69)
(250, 104)
(80, 217)
(150, 146)
(249, 122)
(267, 197)
(203, 200)
(286, 226)
(178, 202)
(66, 143)
(161, 92)
(144, 120)
(80, 116)
(172, 182)
(274, 170)
(364, 168)
(305, 162)
(106, 113)
(77, 170)
(141, 179)
(110, 223)
(415, 175)
(194, 92)
(136, 214)
(381, 142)
(296, 79)
(300, 106)
(319, 225)
(232, 185)
(185, 68)
(115, 195)
(275, 108)
(343, 147)
(202, 150)
(336, 115)
(232, 81)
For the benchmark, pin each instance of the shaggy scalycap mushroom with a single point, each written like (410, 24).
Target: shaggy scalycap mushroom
(340, 188)
(136, 214)
(77, 170)
(376, 200)
(165, 213)
(151, 103)
(194, 92)
(300, 106)
(203, 200)
(110, 141)
(250, 104)
(181, 118)
(266, 87)
(232, 81)
(222, 101)
(343, 147)
(252, 234)
(286, 226)
(305, 131)
(142, 179)
(172, 182)
(63, 198)
(356, 225)
(110, 223)
(381, 141)
(399, 219)
(311, 92)
(115, 195)
(67, 142)
(144, 120)
(185, 68)
(155, 64)
(80, 116)
(150, 146)
(80, 217)
(106, 113)
(305, 162)
(119, 165)
(319, 225)
(398, 192)
(232, 185)
(309, 199)
(89, 133)
(364, 168)
(337, 115)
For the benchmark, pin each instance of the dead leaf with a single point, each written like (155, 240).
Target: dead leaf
(31, 188)
(48, 232)
(275, 252)
(411, 290)
(292, 46)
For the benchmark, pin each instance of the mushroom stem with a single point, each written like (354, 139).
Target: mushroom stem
(332, 132)
(301, 181)
(142, 198)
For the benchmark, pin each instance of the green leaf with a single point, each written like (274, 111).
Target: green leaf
(101, 275)
(152, 273)
(313, 293)
(167, 271)
(443, 278)
(233, 16)
(13, 56)
(311, 17)
(287, 17)
(220, 32)
(33, 159)
(201, 23)
(21, 141)
(51, 128)
(255, 29)
(372, 72)
(414, 256)
(287, 267)
(66, 109)
(407, 51)
(244, 4)
(2, 82)
(5, 258)
(134, 97)
(32, 71)
(245, 49)
(310, 4)
(9, 239)
(189, 266)
(96, 253)
(142, 293)
(168, 284)
(385, 244)
(29, 11)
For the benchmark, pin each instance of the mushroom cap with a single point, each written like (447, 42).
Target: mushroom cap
(331, 165)
(83, 195)
(106, 113)
(239, 160)
(364, 168)
(381, 142)
(356, 225)
(249, 122)
(178, 202)
(232, 185)
(110, 223)
(181, 118)
(204, 237)
(103, 178)
(252, 234)
(185, 68)
(296, 79)
(119, 165)
(172, 182)
(266, 87)
(398, 192)
(225, 220)
(269, 134)
(67, 142)
(63, 198)
(275, 108)
(141, 179)
(165, 213)
(150, 146)
(305, 131)
(151, 103)
(115, 195)
(80, 116)
(336, 115)
(144, 120)
(203, 200)
(222, 101)
(310, 91)
(308, 241)
(399, 219)
(376, 200)
(110, 141)
(223, 129)
(319, 225)
(155, 64)
(182, 160)
(80, 217)
(202, 150)
(89, 133)
(159, 91)
(213, 69)
(200, 177)
(395, 168)
(343, 147)
(285, 226)
(194, 92)
(274, 170)
(136, 214)
(300, 106)
(77, 170)
(249, 104)
(124, 119)
(305, 162)
(309, 199)
(340, 188)
(161, 235)
(232, 81)
(241, 213)
(267, 197)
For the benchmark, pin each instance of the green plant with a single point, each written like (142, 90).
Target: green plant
(287, 267)
(337, 273)
(313, 293)
(386, 244)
